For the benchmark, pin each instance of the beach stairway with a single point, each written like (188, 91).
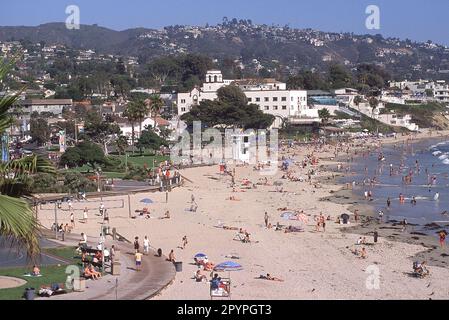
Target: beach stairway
(350, 112)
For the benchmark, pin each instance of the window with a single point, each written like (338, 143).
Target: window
(250, 99)
(275, 98)
(284, 107)
(284, 99)
(275, 107)
(267, 99)
(183, 109)
(267, 108)
(245, 139)
(257, 99)
(291, 99)
(183, 100)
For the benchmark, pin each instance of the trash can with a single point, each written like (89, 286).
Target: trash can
(29, 294)
(178, 266)
(115, 268)
(79, 285)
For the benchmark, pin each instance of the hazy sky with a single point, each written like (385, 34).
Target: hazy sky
(413, 19)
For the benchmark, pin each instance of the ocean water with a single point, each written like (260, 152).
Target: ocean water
(428, 164)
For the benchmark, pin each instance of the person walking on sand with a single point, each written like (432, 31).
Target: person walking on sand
(375, 235)
(136, 244)
(85, 215)
(388, 203)
(138, 258)
(184, 242)
(146, 245)
(266, 219)
(356, 215)
(72, 220)
(442, 235)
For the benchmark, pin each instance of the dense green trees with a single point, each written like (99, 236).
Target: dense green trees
(185, 71)
(83, 153)
(98, 130)
(339, 77)
(39, 130)
(324, 114)
(229, 110)
(306, 80)
(366, 78)
(150, 140)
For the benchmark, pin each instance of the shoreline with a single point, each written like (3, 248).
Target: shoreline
(390, 229)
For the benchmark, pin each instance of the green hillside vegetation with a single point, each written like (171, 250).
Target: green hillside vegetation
(430, 115)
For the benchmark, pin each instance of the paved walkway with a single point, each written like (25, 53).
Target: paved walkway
(155, 275)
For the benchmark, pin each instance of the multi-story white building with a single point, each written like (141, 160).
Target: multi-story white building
(54, 106)
(439, 89)
(270, 95)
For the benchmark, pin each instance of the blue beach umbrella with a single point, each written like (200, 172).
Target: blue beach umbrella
(287, 215)
(200, 256)
(228, 266)
(146, 201)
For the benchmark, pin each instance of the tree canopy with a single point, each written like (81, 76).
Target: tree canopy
(83, 153)
(229, 110)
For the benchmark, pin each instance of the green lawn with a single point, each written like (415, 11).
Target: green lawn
(140, 161)
(50, 274)
(136, 160)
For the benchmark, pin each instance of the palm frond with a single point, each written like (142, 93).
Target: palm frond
(7, 101)
(18, 224)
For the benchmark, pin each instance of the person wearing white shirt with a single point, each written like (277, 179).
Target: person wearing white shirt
(146, 245)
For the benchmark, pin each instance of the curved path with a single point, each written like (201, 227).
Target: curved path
(155, 275)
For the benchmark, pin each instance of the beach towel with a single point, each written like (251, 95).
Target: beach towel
(32, 275)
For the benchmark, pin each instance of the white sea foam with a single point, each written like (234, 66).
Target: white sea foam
(446, 161)
(435, 153)
(443, 156)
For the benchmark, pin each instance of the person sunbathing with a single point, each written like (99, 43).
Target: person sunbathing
(233, 198)
(292, 229)
(207, 266)
(199, 277)
(230, 228)
(166, 215)
(36, 271)
(270, 277)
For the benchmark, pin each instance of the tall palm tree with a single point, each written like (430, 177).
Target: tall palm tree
(156, 104)
(17, 221)
(140, 110)
(132, 115)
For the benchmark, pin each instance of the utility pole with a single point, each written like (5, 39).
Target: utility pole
(56, 221)
(76, 132)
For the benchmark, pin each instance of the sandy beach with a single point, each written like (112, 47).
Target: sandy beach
(313, 265)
